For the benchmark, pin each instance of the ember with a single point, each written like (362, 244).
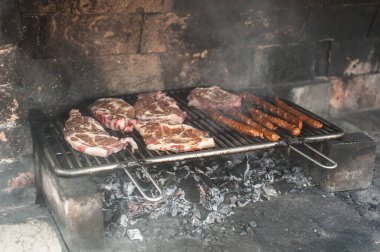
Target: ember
(199, 193)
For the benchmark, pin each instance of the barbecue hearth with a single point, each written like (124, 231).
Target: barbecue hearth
(320, 57)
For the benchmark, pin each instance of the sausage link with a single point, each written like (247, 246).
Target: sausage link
(272, 109)
(262, 120)
(268, 134)
(279, 122)
(239, 127)
(306, 119)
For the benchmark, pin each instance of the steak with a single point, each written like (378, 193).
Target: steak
(158, 107)
(173, 137)
(86, 135)
(213, 98)
(113, 113)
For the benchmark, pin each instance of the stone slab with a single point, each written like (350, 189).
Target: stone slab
(355, 93)
(315, 98)
(354, 57)
(276, 64)
(76, 207)
(117, 6)
(30, 228)
(152, 34)
(355, 154)
(92, 34)
(54, 7)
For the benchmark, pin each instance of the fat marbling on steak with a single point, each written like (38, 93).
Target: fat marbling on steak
(86, 135)
(158, 107)
(213, 98)
(114, 113)
(173, 137)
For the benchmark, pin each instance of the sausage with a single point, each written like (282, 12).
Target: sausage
(268, 134)
(281, 123)
(272, 109)
(239, 127)
(263, 121)
(306, 119)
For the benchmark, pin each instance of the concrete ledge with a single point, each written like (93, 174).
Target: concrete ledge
(77, 208)
(355, 154)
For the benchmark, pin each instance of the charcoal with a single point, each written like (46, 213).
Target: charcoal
(182, 173)
(213, 217)
(231, 199)
(268, 191)
(123, 220)
(243, 201)
(190, 187)
(240, 171)
(134, 234)
(265, 163)
(225, 209)
(116, 231)
(128, 188)
(205, 180)
(199, 194)
(252, 224)
(256, 195)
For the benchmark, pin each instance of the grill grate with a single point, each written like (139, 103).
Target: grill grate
(68, 162)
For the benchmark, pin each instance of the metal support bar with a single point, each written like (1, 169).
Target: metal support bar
(152, 199)
(332, 165)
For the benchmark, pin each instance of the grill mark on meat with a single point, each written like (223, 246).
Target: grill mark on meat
(86, 135)
(157, 106)
(213, 98)
(173, 137)
(114, 113)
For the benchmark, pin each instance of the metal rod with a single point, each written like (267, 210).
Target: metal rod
(332, 162)
(153, 199)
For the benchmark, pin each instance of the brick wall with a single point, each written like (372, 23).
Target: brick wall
(87, 48)
(57, 53)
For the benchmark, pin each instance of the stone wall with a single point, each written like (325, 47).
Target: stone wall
(54, 54)
(84, 48)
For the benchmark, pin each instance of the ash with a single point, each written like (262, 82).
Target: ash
(200, 196)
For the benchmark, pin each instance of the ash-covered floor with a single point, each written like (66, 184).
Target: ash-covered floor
(307, 221)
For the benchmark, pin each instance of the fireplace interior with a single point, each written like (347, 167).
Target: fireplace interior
(245, 194)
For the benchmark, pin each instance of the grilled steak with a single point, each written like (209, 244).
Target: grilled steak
(86, 135)
(113, 113)
(173, 137)
(213, 98)
(158, 107)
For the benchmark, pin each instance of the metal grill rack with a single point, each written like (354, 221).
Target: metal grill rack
(67, 162)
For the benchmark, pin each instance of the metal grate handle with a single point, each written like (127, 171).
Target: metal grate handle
(332, 165)
(141, 190)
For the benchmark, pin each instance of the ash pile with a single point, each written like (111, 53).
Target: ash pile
(197, 194)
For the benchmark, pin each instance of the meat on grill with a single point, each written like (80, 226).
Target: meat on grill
(173, 137)
(239, 127)
(272, 109)
(86, 135)
(307, 119)
(213, 98)
(158, 107)
(266, 133)
(114, 113)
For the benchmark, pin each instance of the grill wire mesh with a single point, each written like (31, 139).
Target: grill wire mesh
(227, 141)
